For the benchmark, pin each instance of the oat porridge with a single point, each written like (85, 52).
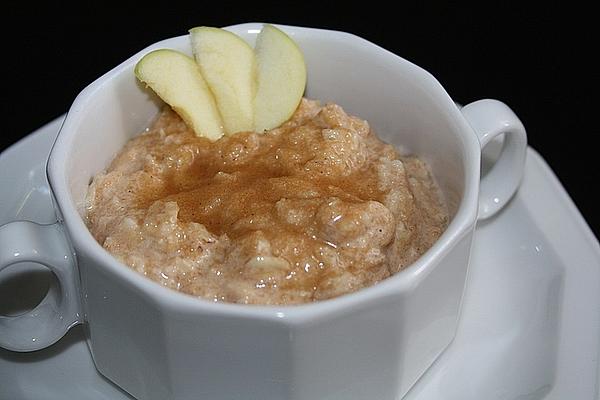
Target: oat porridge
(314, 209)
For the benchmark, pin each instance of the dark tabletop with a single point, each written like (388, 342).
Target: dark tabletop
(539, 61)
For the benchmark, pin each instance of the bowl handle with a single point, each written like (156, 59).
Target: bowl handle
(22, 241)
(489, 119)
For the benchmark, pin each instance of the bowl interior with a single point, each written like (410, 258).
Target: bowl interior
(402, 102)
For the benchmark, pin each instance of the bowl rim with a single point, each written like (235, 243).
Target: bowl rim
(405, 280)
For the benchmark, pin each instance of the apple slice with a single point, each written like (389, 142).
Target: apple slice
(281, 78)
(228, 64)
(176, 78)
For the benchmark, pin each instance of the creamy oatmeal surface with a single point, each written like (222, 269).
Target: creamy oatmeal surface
(316, 208)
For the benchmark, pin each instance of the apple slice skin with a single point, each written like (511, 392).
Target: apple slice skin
(281, 78)
(178, 81)
(228, 65)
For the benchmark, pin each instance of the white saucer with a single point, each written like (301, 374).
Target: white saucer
(530, 325)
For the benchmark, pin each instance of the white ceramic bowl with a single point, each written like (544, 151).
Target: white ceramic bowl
(373, 344)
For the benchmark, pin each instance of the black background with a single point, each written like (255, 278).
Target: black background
(538, 60)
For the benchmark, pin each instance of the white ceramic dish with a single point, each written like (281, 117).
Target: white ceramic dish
(375, 343)
(530, 324)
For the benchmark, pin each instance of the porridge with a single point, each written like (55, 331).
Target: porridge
(316, 208)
